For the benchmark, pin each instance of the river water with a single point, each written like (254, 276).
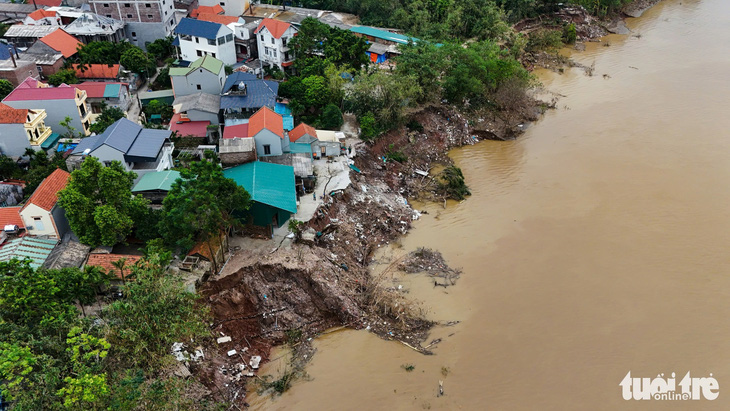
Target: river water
(595, 244)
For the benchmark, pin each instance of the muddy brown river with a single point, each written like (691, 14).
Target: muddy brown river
(596, 244)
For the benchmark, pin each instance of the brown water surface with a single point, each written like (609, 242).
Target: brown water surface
(595, 244)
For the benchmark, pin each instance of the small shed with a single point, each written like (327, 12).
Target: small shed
(272, 189)
(155, 185)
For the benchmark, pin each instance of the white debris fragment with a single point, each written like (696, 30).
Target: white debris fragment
(254, 363)
(225, 339)
(231, 353)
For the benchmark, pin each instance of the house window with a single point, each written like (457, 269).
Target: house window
(211, 42)
(262, 37)
(223, 3)
(149, 16)
(273, 41)
(127, 5)
(273, 52)
(198, 86)
(221, 40)
(134, 34)
(283, 41)
(212, 54)
(105, 4)
(38, 223)
(197, 40)
(229, 38)
(109, 15)
(267, 149)
(147, 5)
(129, 16)
(200, 53)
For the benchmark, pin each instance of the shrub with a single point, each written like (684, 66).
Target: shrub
(569, 34)
(544, 40)
(331, 118)
(368, 128)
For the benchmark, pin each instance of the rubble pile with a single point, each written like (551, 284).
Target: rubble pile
(431, 262)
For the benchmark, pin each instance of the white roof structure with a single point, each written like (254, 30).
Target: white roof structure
(89, 24)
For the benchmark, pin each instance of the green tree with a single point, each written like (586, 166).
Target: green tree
(99, 204)
(108, 116)
(80, 285)
(67, 76)
(5, 88)
(315, 92)
(70, 130)
(201, 204)
(316, 41)
(103, 52)
(161, 49)
(136, 60)
(368, 127)
(159, 107)
(331, 118)
(384, 95)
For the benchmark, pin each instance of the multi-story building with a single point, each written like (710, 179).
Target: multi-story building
(230, 7)
(58, 102)
(272, 37)
(206, 74)
(21, 129)
(198, 38)
(146, 20)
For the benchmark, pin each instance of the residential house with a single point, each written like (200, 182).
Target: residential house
(90, 27)
(42, 17)
(47, 3)
(213, 251)
(267, 129)
(303, 133)
(98, 72)
(139, 149)
(50, 52)
(230, 7)
(10, 216)
(236, 147)
(245, 39)
(110, 94)
(106, 262)
(21, 129)
(66, 13)
(58, 102)
(197, 38)
(244, 94)
(383, 43)
(272, 38)
(206, 74)
(272, 190)
(22, 36)
(62, 42)
(215, 9)
(41, 214)
(146, 20)
(37, 250)
(8, 52)
(197, 115)
(154, 186)
(329, 143)
(15, 70)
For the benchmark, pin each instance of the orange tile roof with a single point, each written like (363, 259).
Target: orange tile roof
(301, 130)
(217, 18)
(203, 250)
(46, 195)
(105, 261)
(11, 216)
(265, 118)
(48, 3)
(62, 42)
(40, 14)
(275, 27)
(217, 9)
(9, 115)
(110, 71)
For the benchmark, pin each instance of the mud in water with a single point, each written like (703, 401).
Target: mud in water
(595, 244)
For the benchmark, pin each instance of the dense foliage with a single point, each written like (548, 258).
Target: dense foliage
(128, 55)
(66, 76)
(5, 88)
(106, 118)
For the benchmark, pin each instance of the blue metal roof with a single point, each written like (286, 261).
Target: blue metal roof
(259, 93)
(383, 34)
(198, 28)
(5, 50)
(137, 143)
(268, 183)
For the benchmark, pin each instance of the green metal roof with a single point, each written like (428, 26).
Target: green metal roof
(383, 34)
(209, 63)
(300, 148)
(36, 249)
(50, 141)
(156, 180)
(268, 183)
(112, 90)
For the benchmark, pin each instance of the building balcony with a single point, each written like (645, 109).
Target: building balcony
(43, 134)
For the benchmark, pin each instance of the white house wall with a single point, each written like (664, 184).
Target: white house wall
(45, 228)
(225, 52)
(13, 140)
(265, 137)
(209, 83)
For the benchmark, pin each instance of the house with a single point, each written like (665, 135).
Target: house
(18, 70)
(139, 149)
(47, 60)
(58, 102)
(213, 251)
(47, 3)
(21, 35)
(206, 74)
(42, 17)
(272, 190)
(215, 9)
(7, 52)
(236, 150)
(220, 19)
(272, 37)
(11, 193)
(197, 38)
(383, 43)
(111, 94)
(244, 94)
(154, 186)
(66, 13)
(10, 216)
(145, 20)
(245, 39)
(97, 72)
(230, 7)
(303, 133)
(329, 143)
(267, 129)
(35, 249)
(67, 254)
(62, 42)
(199, 107)
(21, 129)
(106, 262)
(90, 27)
(41, 214)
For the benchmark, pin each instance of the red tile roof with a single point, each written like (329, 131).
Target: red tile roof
(217, 9)
(105, 261)
(217, 18)
(95, 89)
(11, 216)
(9, 115)
(40, 14)
(110, 71)
(46, 195)
(301, 130)
(277, 28)
(62, 42)
(265, 118)
(47, 3)
(187, 128)
(239, 130)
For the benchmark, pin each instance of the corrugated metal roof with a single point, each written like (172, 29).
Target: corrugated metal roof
(198, 28)
(36, 249)
(383, 34)
(207, 62)
(259, 93)
(112, 90)
(147, 145)
(270, 184)
(137, 143)
(157, 180)
(210, 103)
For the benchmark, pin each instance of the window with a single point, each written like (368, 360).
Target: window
(229, 38)
(127, 5)
(223, 4)
(212, 54)
(273, 52)
(221, 40)
(262, 37)
(149, 16)
(129, 16)
(267, 149)
(38, 223)
(134, 34)
(272, 40)
(197, 40)
(147, 5)
(105, 4)
(283, 41)
(200, 54)
(109, 15)
(165, 12)
(211, 42)
(199, 88)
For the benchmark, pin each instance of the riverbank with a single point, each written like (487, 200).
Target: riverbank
(290, 295)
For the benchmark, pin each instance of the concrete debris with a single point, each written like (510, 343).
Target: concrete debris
(231, 353)
(254, 363)
(222, 340)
